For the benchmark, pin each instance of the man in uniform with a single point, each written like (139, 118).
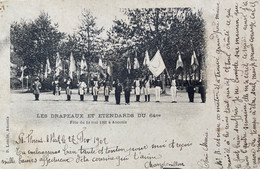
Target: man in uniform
(127, 90)
(95, 87)
(137, 86)
(158, 88)
(36, 88)
(81, 89)
(118, 90)
(56, 88)
(191, 90)
(107, 89)
(68, 89)
(147, 87)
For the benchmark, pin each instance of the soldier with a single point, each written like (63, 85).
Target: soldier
(137, 86)
(107, 90)
(127, 90)
(147, 87)
(81, 89)
(56, 88)
(158, 88)
(36, 88)
(191, 90)
(202, 91)
(174, 91)
(69, 89)
(95, 86)
(118, 90)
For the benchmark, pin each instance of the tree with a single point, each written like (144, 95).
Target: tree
(34, 41)
(90, 41)
(169, 30)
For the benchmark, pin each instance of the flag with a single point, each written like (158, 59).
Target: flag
(136, 63)
(146, 59)
(72, 67)
(157, 65)
(83, 65)
(58, 65)
(194, 61)
(109, 69)
(22, 69)
(128, 65)
(47, 68)
(179, 62)
(100, 62)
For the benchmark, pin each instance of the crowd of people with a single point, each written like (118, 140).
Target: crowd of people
(125, 87)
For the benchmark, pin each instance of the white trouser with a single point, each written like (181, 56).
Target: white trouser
(147, 90)
(157, 93)
(137, 91)
(174, 93)
(95, 91)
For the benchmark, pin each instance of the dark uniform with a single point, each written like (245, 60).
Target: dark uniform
(127, 90)
(202, 91)
(191, 90)
(118, 90)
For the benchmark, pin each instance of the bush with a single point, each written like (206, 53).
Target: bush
(15, 83)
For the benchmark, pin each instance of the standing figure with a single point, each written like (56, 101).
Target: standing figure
(118, 90)
(56, 88)
(107, 90)
(81, 89)
(158, 88)
(69, 89)
(174, 91)
(137, 86)
(147, 87)
(191, 90)
(127, 90)
(36, 88)
(202, 91)
(95, 86)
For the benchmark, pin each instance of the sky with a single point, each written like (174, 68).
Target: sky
(67, 13)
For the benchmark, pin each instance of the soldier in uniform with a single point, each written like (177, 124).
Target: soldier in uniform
(127, 90)
(107, 90)
(118, 90)
(202, 91)
(158, 88)
(174, 91)
(81, 89)
(137, 86)
(56, 88)
(68, 89)
(95, 86)
(36, 88)
(147, 86)
(191, 90)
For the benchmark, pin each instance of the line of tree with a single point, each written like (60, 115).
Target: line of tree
(170, 30)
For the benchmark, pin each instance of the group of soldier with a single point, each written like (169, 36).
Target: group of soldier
(139, 85)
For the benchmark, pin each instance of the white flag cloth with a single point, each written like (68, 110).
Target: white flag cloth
(136, 64)
(157, 65)
(83, 65)
(179, 62)
(109, 69)
(58, 65)
(194, 61)
(146, 59)
(72, 67)
(22, 69)
(128, 65)
(100, 62)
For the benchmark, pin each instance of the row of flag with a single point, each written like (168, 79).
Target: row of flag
(157, 66)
